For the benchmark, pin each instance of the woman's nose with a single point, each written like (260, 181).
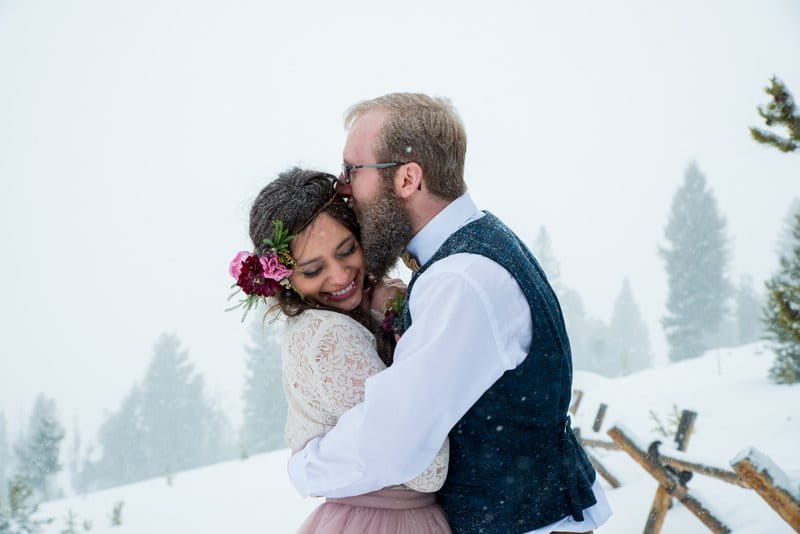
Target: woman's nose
(340, 274)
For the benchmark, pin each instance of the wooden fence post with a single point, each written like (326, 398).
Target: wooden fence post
(598, 419)
(655, 519)
(760, 473)
(577, 397)
(685, 429)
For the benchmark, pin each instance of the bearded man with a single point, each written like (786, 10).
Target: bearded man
(483, 358)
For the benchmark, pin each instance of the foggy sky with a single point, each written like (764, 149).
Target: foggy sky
(134, 135)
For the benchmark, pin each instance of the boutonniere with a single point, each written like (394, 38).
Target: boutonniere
(392, 310)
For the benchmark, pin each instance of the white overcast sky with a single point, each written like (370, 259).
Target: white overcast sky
(134, 134)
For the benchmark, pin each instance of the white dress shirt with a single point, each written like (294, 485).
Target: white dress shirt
(471, 324)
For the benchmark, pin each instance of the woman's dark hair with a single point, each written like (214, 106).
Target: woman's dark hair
(297, 197)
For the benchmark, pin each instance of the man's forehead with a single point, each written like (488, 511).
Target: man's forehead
(364, 132)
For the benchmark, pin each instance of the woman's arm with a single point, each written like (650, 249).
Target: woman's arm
(327, 359)
(432, 479)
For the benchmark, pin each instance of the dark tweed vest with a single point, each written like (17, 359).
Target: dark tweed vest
(515, 464)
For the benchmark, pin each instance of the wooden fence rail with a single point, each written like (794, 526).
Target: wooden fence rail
(674, 468)
(670, 485)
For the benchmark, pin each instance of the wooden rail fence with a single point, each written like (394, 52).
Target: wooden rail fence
(674, 468)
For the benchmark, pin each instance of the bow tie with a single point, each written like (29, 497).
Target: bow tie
(410, 261)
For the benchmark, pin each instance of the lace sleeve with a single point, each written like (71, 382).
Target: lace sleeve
(432, 479)
(327, 358)
(344, 357)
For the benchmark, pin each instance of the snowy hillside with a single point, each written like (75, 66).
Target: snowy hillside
(737, 407)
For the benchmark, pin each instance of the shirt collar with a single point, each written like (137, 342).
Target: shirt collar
(433, 235)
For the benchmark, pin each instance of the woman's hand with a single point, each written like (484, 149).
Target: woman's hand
(385, 290)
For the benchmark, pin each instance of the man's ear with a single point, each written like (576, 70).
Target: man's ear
(408, 180)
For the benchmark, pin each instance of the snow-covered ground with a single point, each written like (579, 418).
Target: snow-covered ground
(737, 408)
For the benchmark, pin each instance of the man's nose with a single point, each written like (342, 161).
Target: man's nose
(343, 188)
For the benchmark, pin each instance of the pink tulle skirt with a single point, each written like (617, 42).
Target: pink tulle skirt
(386, 511)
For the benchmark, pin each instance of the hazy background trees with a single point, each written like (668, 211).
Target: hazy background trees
(39, 447)
(166, 424)
(628, 345)
(696, 258)
(264, 403)
(748, 303)
(614, 349)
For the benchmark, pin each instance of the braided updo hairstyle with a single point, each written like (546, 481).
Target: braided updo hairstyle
(297, 197)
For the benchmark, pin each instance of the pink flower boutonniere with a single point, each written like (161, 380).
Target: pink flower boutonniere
(392, 310)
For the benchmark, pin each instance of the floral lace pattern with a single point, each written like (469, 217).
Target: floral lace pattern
(327, 357)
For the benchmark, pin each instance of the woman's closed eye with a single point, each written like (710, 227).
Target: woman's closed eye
(311, 273)
(351, 249)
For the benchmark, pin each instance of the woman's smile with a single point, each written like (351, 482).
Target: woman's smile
(344, 293)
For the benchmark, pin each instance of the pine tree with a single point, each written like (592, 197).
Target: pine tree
(782, 314)
(164, 425)
(696, 260)
(39, 448)
(628, 344)
(17, 516)
(780, 111)
(75, 454)
(783, 247)
(180, 428)
(264, 401)
(120, 437)
(748, 312)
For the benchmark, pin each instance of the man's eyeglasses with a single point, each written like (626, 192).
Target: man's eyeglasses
(345, 177)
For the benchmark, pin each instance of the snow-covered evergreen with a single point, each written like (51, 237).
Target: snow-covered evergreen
(628, 348)
(264, 401)
(165, 425)
(18, 510)
(782, 314)
(696, 257)
(39, 447)
(779, 111)
(120, 456)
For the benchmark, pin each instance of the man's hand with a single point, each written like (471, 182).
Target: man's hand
(384, 290)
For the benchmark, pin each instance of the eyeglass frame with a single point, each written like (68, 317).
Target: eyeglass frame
(347, 167)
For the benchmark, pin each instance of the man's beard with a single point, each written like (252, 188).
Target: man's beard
(385, 231)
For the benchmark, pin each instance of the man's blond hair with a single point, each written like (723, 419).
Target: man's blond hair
(423, 129)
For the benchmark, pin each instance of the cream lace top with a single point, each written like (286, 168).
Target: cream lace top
(327, 356)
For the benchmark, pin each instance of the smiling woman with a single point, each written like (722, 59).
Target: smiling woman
(332, 343)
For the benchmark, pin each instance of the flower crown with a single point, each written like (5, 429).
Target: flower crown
(260, 277)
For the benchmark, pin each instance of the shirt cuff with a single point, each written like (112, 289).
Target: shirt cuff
(297, 471)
